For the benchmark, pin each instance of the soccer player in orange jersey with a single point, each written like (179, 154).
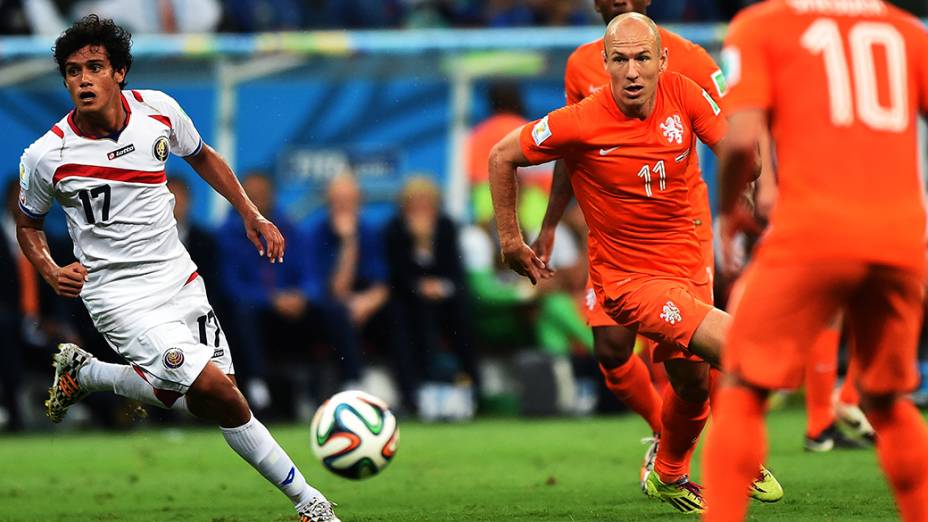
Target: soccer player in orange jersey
(839, 83)
(627, 375)
(627, 148)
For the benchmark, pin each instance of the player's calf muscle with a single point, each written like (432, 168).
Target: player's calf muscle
(214, 397)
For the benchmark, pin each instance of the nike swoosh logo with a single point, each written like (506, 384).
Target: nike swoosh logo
(603, 152)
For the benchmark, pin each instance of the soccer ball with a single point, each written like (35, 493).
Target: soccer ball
(354, 434)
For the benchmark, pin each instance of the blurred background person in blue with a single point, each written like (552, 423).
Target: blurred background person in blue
(263, 296)
(345, 276)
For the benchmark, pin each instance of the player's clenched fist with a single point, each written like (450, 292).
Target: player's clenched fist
(257, 227)
(68, 280)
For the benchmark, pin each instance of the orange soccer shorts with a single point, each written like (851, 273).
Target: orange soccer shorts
(666, 310)
(596, 316)
(784, 305)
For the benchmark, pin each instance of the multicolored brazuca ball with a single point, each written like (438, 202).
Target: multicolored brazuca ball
(354, 434)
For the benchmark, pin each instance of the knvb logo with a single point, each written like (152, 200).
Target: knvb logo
(120, 152)
(671, 313)
(673, 129)
(590, 299)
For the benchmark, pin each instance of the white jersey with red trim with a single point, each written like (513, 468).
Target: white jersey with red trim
(119, 210)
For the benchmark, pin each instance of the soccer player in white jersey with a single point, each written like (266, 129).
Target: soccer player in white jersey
(104, 162)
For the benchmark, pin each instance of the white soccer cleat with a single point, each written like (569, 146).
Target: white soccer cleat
(650, 455)
(852, 417)
(66, 390)
(318, 511)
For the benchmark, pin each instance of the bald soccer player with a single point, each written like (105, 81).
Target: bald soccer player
(626, 374)
(627, 148)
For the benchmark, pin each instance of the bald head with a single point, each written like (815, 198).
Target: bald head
(632, 28)
(634, 59)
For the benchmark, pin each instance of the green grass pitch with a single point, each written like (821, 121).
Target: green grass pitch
(490, 470)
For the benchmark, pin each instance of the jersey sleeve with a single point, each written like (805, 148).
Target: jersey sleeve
(551, 137)
(705, 115)
(35, 185)
(746, 67)
(185, 140)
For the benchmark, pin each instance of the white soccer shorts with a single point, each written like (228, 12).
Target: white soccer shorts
(172, 354)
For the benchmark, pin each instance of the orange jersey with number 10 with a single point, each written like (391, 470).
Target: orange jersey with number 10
(586, 74)
(631, 176)
(842, 83)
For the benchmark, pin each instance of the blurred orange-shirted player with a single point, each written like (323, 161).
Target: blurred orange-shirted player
(626, 374)
(840, 83)
(627, 148)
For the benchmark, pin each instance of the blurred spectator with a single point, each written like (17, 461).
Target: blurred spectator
(527, 13)
(19, 300)
(506, 113)
(443, 13)
(365, 14)
(13, 17)
(428, 293)
(51, 17)
(252, 16)
(500, 302)
(262, 295)
(32, 317)
(345, 277)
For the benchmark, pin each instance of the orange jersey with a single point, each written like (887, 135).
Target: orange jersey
(842, 83)
(631, 176)
(586, 74)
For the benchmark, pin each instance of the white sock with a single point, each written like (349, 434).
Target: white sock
(257, 446)
(122, 380)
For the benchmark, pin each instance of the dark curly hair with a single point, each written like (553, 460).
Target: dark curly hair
(91, 30)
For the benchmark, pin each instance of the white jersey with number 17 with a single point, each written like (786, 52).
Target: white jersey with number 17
(119, 210)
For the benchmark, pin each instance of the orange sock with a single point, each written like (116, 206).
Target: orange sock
(849, 393)
(683, 422)
(631, 384)
(734, 452)
(902, 447)
(821, 375)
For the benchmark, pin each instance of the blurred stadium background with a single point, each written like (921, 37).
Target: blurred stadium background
(300, 92)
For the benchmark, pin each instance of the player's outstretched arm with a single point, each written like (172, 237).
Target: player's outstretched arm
(505, 157)
(561, 194)
(67, 281)
(214, 169)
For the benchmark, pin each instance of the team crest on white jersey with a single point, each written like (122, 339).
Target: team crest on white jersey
(173, 358)
(671, 313)
(160, 149)
(673, 129)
